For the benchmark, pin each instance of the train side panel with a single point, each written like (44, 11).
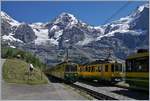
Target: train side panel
(139, 79)
(106, 72)
(101, 72)
(58, 72)
(89, 72)
(137, 70)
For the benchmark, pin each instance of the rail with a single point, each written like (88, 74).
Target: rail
(95, 94)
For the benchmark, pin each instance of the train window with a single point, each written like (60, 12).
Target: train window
(93, 69)
(86, 68)
(100, 68)
(67, 69)
(80, 69)
(74, 68)
(118, 67)
(89, 69)
(97, 68)
(112, 67)
(138, 65)
(141, 65)
(128, 66)
(106, 68)
(71, 68)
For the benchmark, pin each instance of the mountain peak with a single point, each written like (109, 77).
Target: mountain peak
(4, 15)
(9, 19)
(66, 14)
(66, 18)
(141, 8)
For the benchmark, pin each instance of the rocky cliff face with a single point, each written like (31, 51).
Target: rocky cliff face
(86, 43)
(25, 33)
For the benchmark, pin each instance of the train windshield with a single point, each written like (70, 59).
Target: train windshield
(118, 67)
(138, 64)
(71, 68)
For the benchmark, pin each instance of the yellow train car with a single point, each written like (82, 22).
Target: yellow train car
(137, 70)
(111, 71)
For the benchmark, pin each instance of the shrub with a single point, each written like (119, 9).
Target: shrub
(7, 52)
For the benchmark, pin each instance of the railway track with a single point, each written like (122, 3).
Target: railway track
(95, 94)
(106, 92)
(110, 92)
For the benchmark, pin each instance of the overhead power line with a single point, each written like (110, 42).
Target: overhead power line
(117, 12)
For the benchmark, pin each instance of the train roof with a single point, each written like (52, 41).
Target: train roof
(138, 55)
(100, 61)
(69, 62)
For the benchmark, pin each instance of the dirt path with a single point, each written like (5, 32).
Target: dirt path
(51, 91)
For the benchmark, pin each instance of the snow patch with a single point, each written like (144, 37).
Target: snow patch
(126, 19)
(53, 41)
(66, 40)
(56, 37)
(141, 8)
(42, 35)
(10, 38)
(102, 30)
(37, 25)
(12, 46)
(55, 27)
(132, 32)
(43, 38)
(87, 40)
(58, 34)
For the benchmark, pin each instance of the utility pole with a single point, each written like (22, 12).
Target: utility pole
(66, 58)
(108, 52)
(41, 72)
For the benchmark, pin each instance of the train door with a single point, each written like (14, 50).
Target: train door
(99, 71)
(118, 72)
(107, 72)
(104, 71)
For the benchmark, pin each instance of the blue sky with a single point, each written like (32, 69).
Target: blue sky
(91, 12)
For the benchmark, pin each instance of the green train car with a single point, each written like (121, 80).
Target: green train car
(137, 70)
(66, 71)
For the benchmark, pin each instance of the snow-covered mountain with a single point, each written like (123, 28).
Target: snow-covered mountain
(86, 42)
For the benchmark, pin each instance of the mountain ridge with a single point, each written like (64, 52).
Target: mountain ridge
(66, 31)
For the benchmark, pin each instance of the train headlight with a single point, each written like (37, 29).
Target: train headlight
(117, 79)
(121, 73)
(75, 74)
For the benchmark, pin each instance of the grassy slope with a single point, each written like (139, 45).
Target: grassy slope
(16, 71)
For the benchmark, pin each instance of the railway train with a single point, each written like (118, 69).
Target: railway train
(102, 70)
(66, 71)
(137, 70)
